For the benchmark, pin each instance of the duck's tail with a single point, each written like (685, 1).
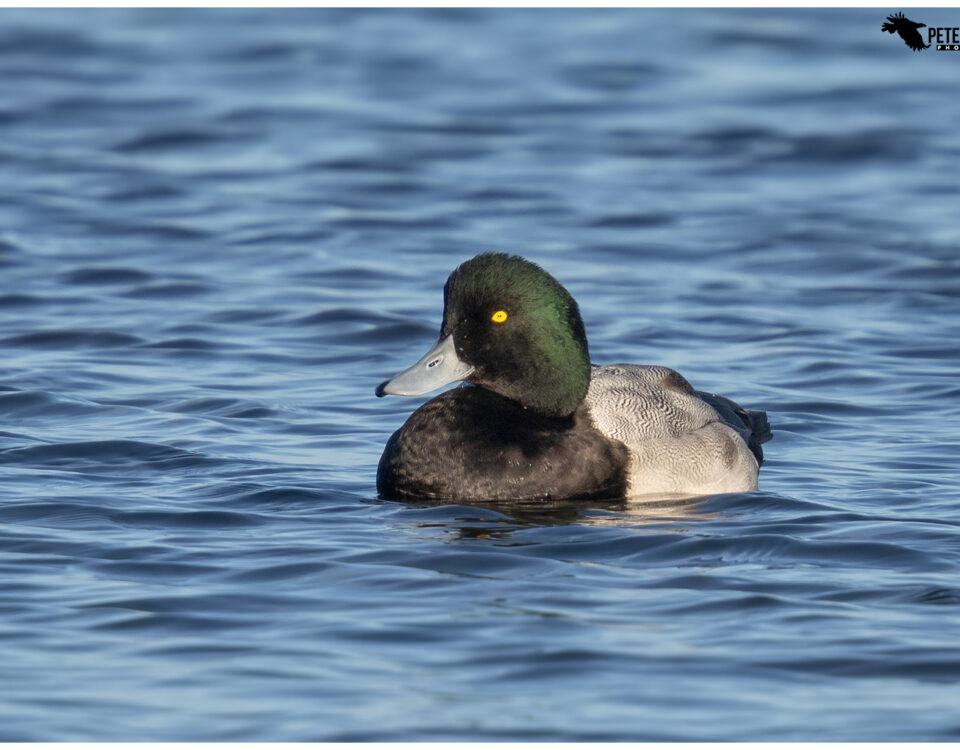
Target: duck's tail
(753, 426)
(760, 431)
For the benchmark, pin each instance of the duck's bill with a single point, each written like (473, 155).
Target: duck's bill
(438, 367)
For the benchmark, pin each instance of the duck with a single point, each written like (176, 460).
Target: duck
(535, 420)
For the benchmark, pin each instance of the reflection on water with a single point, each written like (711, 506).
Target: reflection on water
(223, 228)
(499, 519)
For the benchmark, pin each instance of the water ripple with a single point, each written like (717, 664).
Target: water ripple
(227, 225)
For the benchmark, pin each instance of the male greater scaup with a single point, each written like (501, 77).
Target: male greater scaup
(538, 421)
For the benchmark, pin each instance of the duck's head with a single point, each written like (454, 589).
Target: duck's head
(510, 327)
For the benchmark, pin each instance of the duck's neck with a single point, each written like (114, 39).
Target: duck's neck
(557, 394)
(553, 378)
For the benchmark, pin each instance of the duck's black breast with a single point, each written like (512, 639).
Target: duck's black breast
(471, 445)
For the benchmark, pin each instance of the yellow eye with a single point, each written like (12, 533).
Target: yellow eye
(499, 316)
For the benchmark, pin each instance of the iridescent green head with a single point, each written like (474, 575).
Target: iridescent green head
(510, 327)
(520, 330)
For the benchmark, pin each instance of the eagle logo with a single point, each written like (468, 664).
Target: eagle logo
(907, 30)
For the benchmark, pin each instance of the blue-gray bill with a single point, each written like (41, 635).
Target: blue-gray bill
(438, 367)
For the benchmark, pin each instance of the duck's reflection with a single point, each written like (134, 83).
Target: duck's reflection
(487, 520)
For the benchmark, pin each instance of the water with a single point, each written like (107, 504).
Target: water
(220, 230)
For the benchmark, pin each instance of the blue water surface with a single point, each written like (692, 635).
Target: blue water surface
(220, 229)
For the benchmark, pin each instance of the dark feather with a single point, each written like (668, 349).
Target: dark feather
(469, 445)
